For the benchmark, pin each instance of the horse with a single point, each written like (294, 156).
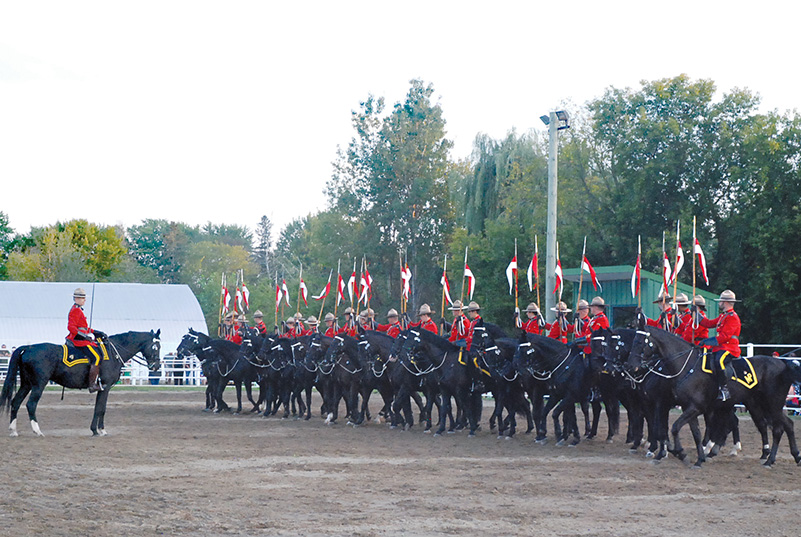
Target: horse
(342, 364)
(374, 350)
(41, 363)
(563, 369)
(496, 354)
(451, 368)
(673, 358)
(406, 381)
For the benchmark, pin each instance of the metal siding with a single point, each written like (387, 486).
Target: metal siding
(36, 312)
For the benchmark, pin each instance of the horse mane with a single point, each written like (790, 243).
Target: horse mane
(545, 343)
(664, 338)
(495, 331)
(433, 339)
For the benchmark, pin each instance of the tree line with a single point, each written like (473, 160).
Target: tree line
(633, 163)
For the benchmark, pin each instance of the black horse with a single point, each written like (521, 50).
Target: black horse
(343, 366)
(41, 363)
(673, 358)
(563, 369)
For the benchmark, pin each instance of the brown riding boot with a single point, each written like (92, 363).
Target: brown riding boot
(94, 385)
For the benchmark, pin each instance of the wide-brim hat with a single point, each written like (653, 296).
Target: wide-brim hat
(582, 305)
(312, 320)
(329, 317)
(532, 308)
(727, 296)
(561, 307)
(290, 320)
(699, 301)
(457, 306)
(662, 298)
(79, 293)
(258, 314)
(348, 310)
(229, 316)
(392, 313)
(473, 306)
(682, 300)
(598, 302)
(425, 309)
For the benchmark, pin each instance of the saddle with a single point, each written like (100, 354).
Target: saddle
(739, 369)
(82, 355)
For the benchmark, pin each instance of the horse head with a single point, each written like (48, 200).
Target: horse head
(152, 350)
(641, 354)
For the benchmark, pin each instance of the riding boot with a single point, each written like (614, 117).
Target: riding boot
(94, 384)
(720, 376)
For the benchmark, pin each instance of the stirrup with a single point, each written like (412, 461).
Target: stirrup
(96, 387)
(724, 394)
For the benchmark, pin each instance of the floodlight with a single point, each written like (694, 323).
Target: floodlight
(546, 119)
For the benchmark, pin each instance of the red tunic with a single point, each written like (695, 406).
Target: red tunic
(556, 332)
(352, 331)
(261, 327)
(532, 326)
(77, 325)
(694, 336)
(309, 331)
(459, 329)
(665, 318)
(728, 329)
(392, 330)
(596, 323)
(429, 325)
(330, 332)
(470, 331)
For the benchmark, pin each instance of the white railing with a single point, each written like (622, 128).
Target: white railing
(174, 371)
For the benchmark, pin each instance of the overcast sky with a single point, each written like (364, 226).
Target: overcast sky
(226, 111)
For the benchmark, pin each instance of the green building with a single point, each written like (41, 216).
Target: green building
(616, 283)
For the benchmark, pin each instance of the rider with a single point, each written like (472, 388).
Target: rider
(474, 315)
(560, 327)
(230, 331)
(694, 333)
(330, 329)
(393, 326)
(299, 328)
(535, 322)
(582, 320)
(80, 335)
(290, 332)
(258, 316)
(726, 346)
(425, 322)
(312, 329)
(598, 321)
(667, 320)
(685, 316)
(460, 325)
(349, 327)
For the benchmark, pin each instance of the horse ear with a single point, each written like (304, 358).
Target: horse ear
(158, 333)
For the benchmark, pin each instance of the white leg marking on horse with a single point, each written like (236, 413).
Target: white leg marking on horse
(735, 449)
(328, 419)
(102, 432)
(708, 447)
(12, 428)
(766, 446)
(36, 429)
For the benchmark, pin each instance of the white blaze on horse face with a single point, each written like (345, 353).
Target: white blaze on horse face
(12, 428)
(36, 429)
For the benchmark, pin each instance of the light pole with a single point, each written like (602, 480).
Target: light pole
(556, 122)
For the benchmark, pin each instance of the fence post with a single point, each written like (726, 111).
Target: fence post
(749, 350)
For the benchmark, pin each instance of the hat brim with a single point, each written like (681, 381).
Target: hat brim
(726, 300)
(568, 310)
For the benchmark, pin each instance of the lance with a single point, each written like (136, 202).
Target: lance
(676, 264)
(639, 262)
(222, 297)
(537, 270)
(351, 292)
(519, 322)
(695, 317)
(577, 322)
(300, 279)
(336, 302)
(320, 317)
(461, 298)
(277, 302)
(442, 309)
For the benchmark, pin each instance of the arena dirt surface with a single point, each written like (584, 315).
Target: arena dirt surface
(168, 468)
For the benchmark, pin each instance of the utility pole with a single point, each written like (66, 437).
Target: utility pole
(556, 121)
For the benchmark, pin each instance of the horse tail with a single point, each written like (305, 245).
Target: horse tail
(10, 384)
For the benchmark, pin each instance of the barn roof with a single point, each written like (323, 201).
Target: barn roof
(36, 312)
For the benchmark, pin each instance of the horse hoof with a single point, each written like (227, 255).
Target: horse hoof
(13, 434)
(427, 431)
(471, 435)
(393, 426)
(633, 450)
(560, 443)
(696, 466)
(436, 435)
(508, 437)
(500, 437)
(610, 441)
(541, 441)
(649, 455)
(767, 464)
(656, 461)
(451, 432)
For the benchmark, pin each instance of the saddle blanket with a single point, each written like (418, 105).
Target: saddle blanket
(743, 369)
(82, 355)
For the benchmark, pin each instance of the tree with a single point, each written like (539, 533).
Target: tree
(264, 244)
(162, 246)
(6, 243)
(73, 251)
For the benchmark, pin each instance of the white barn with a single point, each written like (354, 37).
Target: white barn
(36, 312)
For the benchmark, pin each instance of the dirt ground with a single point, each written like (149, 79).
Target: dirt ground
(168, 468)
